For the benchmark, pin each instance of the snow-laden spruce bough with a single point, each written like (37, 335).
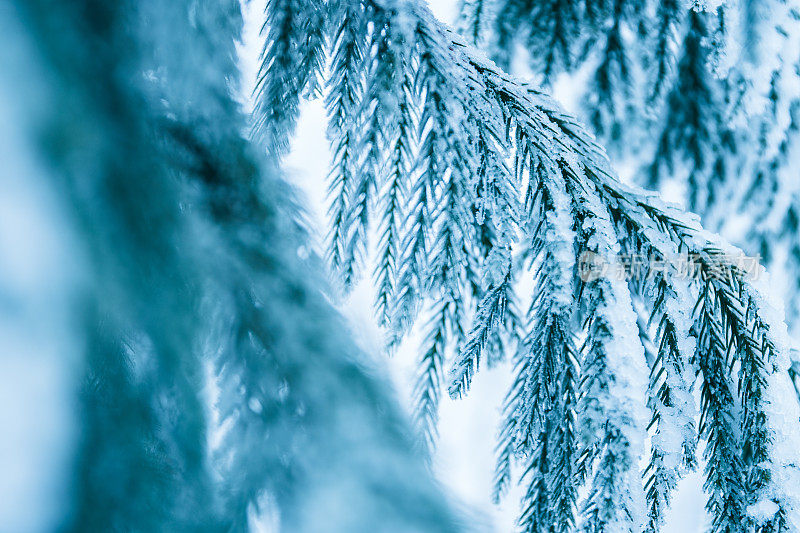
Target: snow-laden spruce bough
(475, 180)
(192, 271)
(705, 94)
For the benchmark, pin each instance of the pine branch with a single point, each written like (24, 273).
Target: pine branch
(668, 15)
(430, 373)
(720, 336)
(507, 447)
(463, 101)
(612, 390)
(491, 314)
(545, 404)
(724, 471)
(670, 395)
(496, 197)
(291, 62)
(392, 199)
(694, 129)
(344, 100)
(446, 276)
(537, 511)
(475, 16)
(671, 401)
(609, 98)
(411, 282)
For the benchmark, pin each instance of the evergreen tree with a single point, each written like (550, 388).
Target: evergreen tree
(576, 413)
(715, 81)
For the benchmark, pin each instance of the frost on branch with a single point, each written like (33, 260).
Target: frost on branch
(577, 413)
